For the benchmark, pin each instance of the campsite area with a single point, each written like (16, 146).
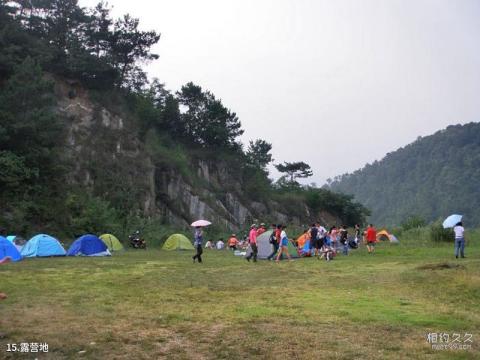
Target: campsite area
(157, 304)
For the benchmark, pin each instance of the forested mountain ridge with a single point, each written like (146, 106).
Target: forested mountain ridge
(88, 144)
(433, 177)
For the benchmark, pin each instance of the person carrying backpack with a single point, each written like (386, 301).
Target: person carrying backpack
(274, 241)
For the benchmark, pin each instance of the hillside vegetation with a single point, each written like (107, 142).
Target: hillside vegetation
(87, 144)
(431, 178)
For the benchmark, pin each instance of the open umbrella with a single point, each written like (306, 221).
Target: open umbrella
(451, 221)
(201, 223)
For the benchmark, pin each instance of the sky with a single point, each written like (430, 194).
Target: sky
(336, 84)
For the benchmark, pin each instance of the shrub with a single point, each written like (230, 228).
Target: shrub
(438, 233)
(412, 222)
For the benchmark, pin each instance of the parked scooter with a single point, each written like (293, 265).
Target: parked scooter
(137, 241)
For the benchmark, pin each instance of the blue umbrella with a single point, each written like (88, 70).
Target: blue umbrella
(451, 221)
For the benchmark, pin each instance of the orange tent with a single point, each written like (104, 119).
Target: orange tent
(302, 239)
(384, 235)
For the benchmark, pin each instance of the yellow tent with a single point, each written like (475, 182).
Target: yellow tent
(384, 235)
(177, 242)
(112, 242)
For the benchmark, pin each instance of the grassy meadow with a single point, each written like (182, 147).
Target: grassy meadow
(155, 304)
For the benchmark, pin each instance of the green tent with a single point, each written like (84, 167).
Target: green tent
(177, 242)
(112, 242)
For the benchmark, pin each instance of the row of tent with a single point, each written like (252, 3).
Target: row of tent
(43, 245)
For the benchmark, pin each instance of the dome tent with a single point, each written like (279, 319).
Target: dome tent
(18, 241)
(112, 242)
(265, 248)
(384, 235)
(42, 245)
(8, 249)
(88, 245)
(177, 242)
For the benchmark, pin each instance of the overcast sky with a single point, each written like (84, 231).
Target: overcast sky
(336, 83)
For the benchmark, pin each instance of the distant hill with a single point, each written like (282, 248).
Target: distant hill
(432, 177)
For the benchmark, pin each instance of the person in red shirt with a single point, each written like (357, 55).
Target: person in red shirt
(371, 238)
(252, 240)
(261, 229)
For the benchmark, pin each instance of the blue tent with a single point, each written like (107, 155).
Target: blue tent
(11, 238)
(43, 245)
(89, 245)
(307, 248)
(8, 249)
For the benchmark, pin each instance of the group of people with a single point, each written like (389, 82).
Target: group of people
(278, 239)
(324, 244)
(219, 245)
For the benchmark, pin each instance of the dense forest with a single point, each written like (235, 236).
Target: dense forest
(45, 44)
(429, 179)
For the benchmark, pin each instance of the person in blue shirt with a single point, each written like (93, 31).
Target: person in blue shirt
(198, 244)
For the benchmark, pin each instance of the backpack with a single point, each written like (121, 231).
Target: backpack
(273, 238)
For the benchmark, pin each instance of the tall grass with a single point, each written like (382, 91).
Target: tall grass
(432, 235)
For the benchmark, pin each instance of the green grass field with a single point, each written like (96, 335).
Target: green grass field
(154, 304)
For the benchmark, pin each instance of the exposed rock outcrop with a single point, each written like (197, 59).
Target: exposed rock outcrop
(108, 156)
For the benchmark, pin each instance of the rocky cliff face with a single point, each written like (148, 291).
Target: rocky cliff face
(107, 156)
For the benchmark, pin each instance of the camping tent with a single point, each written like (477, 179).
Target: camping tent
(88, 245)
(265, 248)
(112, 242)
(304, 245)
(177, 242)
(42, 245)
(18, 241)
(384, 235)
(8, 249)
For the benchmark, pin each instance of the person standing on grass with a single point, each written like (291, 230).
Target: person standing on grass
(252, 239)
(283, 244)
(344, 239)
(314, 239)
(357, 233)
(371, 238)
(459, 240)
(333, 237)
(321, 234)
(274, 241)
(198, 244)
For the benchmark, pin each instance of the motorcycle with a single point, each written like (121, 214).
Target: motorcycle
(137, 241)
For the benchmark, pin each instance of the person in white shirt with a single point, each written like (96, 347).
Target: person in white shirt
(209, 244)
(283, 244)
(220, 244)
(459, 240)
(322, 233)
